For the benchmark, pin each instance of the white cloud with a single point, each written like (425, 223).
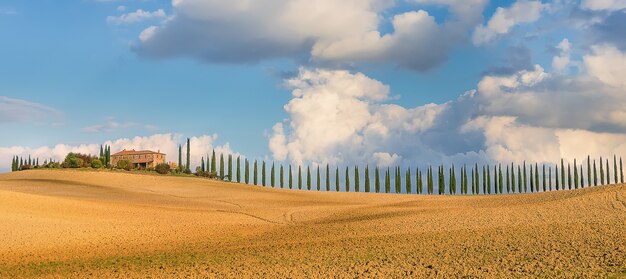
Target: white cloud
(136, 16)
(112, 125)
(562, 61)
(603, 5)
(121, 8)
(504, 19)
(325, 31)
(18, 110)
(608, 64)
(166, 143)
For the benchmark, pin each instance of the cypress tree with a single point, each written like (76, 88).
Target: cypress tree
(473, 180)
(188, 166)
(536, 177)
(30, 163)
(255, 173)
(407, 180)
(337, 179)
(108, 153)
(500, 178)
(101, 153)
(356, 179)
(308, 178)
(550, 177)
(615, 169)
(377, 180)
(519, 179)
(327, 178)
(621, 171)
(556, 176)
(477, 178)
(595, 174)
(239, 170)
(452, 186)
(589, 170)
(367, 179)
(202, 167)
(347, 179)
(214, 163)
(465, 180)
(222, 166)
(290, 178)
(569, 177)
(508, 180)
(180, 157)
(272, 176)
(601, 172)
(543, 179)
(397, 180)
(575, 175)
(512, 178)
(318, 180)
(488, 180)
(525, 179)
(387, 182)
(562, 175)
(282, 177)
(263, 173)
(246, 172)
(442, 181)
(299, 177)
(484, 181)
(581, 177)
(607, 172)
(532, 189)
(230, 167)
(13, 163)
(429, 180)
(418, 178)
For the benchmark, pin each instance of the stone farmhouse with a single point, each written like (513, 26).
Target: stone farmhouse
(141, 159)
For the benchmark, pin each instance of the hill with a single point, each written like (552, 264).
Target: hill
(61, 223)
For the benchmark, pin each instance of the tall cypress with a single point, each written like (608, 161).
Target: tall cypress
(255, 173)
(452, 184)
(356, 179)
(246, 172)
(508, 180)
(575, 175)
(418, 178)
(473, 180)
(550, 178)
(556, 176)
(318, 180)
(180, 157)
(222, 166)
(488, 180)
(282, 177)
(621, 171)
(202, 167)
(101, 154)
(214, 162)
(377, 180)
(543, 179)
(290, 178)
(595, 174)
(367, 179)
(347, 179)
(308, 177)
(230, 167)
(500, 178)
(337, 178)
(601, 172)
(263, 173)
(581, 176)
(484, 181)
(397, 180)
(536, 177)
(532, 189)
(569, 177)
(615, 169)
(327, 178)
(272, 176)
(512, 178)
(589, 170)
(562, 175)
(239, 170)
(407, 180)
(299, 177)
(608, 180)
(188, 165)
(519, 179)
(387, 182)
(525, 179)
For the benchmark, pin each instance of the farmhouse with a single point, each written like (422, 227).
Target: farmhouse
(139, 159)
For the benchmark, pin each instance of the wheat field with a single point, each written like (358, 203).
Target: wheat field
(61, 223)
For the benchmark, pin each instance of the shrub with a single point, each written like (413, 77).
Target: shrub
(124, 164)
(96, 164)
(162, 168)
(26, 167)
(73, 162)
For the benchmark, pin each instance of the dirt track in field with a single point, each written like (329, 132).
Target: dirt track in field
(104, 224)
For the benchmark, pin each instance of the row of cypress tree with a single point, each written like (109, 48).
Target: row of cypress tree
(21, 163)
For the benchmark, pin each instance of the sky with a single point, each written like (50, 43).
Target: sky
(405, 82)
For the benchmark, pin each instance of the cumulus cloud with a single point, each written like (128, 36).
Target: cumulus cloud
(136, 16)
(562, 61)
(528, 115)
(166, 143)
(504, 19)
(18, 110)
(324, 31)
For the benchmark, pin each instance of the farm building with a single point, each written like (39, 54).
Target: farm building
(142, 159)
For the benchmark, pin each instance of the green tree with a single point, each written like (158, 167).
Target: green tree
(595, 174)
(337, 179)
(512, 178)
(608, 180)
(536, 177)
(272, 176)
(290, 178)
(308, 178)
(569, 177)
(418, 178)
(247, 171)
(525, 179)
(180, 157)
(550, 177)
(222, 166)
(377, 180)
(589, 170)
(543, 180)
(575, 175)
(562, 175)
(484, 181)
(615, 169)
(581, 176)
(531, 179)
(327, 178)
(202, 166)
(407, 180)
(519, 179)
(282, 177)
(387, 181)
(238, 170)
(508, 180)
(318, 180)
(442, 181)
(347, 179)
(255, 176)
(367, 179)
(230, 167)
(263, 173)
(500, 184)
(214, 162)
(621, 171)
(556, 176)
(397, 181)
(101, 153)
(488, 180)
(299, 177)
(356, 179)
(452, 184)
(188, 165)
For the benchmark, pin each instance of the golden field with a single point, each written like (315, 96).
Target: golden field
(60, 223)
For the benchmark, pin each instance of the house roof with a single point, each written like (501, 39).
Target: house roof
(134, 152)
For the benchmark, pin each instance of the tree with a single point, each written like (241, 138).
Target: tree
(508, 180)
(615, 169)
(418, 178)
(500, 184)
(525, 179)
(347, 180)
(621, 171)
(247, 171)
(581, 176)
(387, 181)
(595, 174)
(188, 165)
(367, 179)
(214, 163)
(230, 167)
(607, 172)
(290, 178)
(238, 170)
(556, 176)
(180, 157)
(255, 175)
(299, 177)
(337, 178)
(356, 179)
(308, 177)
(263, 173)
(569, 177)
(484, 181)
(489, 180)
(202, 167)
(318, 180)
(452, 184)
(543, 179)
(162, 168)
(442, 181)
(550, 177)
(96, 163)
(575, 175)
(327, 178)
(589, 170)
(512, 178)
(397, 180)
(531, 179)
(222, 166)
(407, 180)
(101, 153)
(519, 179)
(272, 176)
(108, 153)
(282, 177)
(536, 177)
(601, 172)
(377, 180)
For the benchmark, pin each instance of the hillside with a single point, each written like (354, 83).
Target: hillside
(62, 223)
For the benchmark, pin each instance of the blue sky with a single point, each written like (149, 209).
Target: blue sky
(98, 81)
